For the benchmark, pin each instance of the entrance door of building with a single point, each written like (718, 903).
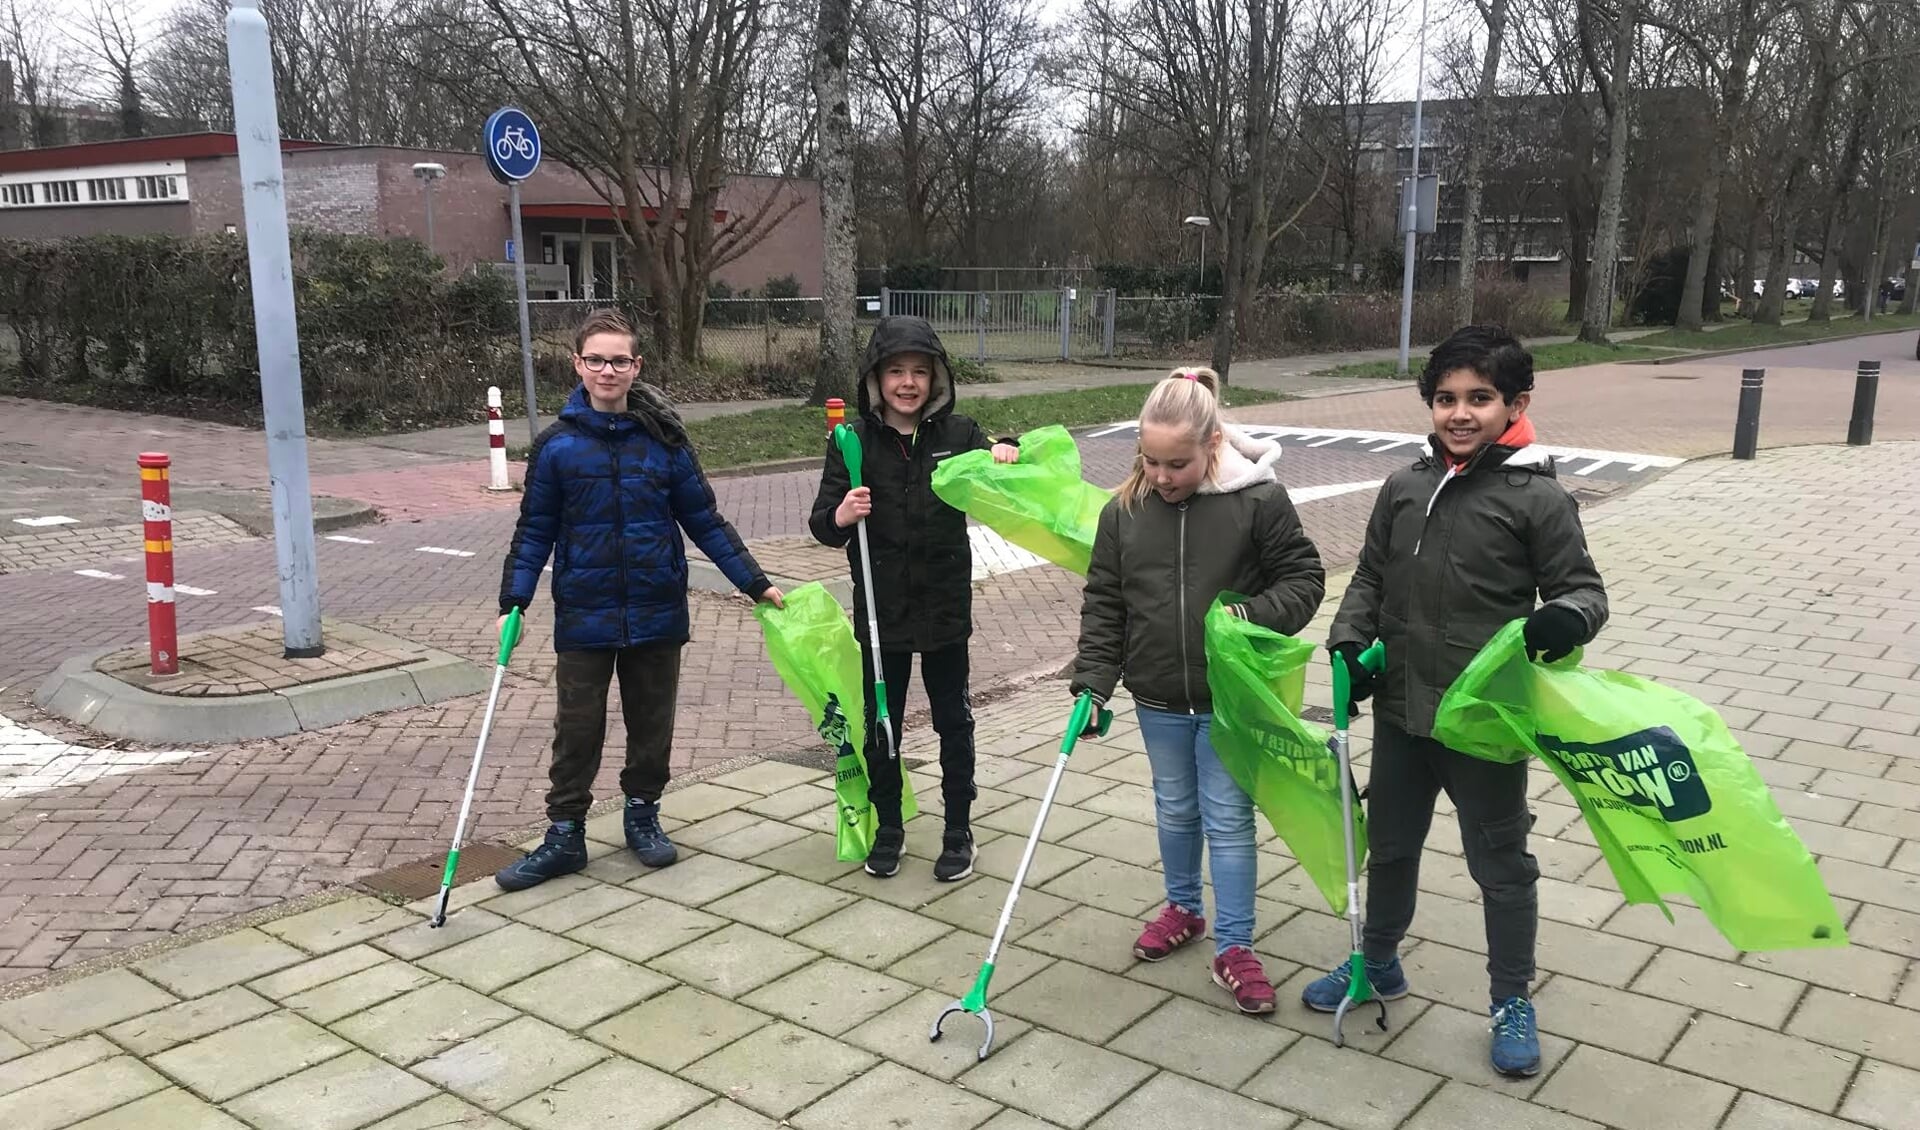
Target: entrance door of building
(593, 267)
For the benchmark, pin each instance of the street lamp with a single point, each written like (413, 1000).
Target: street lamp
(1411, 203)
(428, 172)
(1203, 223)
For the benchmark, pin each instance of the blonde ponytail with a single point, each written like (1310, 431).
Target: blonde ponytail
(1189, 398)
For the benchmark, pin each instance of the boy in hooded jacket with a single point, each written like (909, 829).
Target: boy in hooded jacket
(1458, 545)
(922, 570)
(610, 485)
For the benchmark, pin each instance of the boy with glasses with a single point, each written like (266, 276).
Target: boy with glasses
(609, 487)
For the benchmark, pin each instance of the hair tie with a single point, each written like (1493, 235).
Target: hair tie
(1187, 376)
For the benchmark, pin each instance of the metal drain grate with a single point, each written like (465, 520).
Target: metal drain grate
(1675, 377)
(411, 882)
(1318, 714)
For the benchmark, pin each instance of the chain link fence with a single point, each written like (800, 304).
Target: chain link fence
(1013, 325)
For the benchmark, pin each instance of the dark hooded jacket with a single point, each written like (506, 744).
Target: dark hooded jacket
(922, 561)
(607, 496)
(1452, 555)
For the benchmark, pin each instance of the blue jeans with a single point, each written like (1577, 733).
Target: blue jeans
(1193, 794)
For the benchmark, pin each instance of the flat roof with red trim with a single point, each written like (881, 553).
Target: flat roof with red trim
(125, 151)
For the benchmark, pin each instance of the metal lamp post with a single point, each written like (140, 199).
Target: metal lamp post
(1411, 203)
(1203, 223)
(428, 172)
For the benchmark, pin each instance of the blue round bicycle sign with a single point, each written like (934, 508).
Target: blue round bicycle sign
(512, 145)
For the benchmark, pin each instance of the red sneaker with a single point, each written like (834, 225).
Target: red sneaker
(1238, 972)
(1174, 928)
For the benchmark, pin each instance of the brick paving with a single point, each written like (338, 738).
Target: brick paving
(251, 659)
(759, 982)
(120, 544)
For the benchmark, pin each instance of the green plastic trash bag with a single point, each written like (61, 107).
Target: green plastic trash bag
(1672, 799)
(810, 643)
(1040, 504)
(1258, 678)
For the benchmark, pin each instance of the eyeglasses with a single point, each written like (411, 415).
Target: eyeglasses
(596, 364)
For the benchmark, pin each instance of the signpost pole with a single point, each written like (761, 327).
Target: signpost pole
(526, 330)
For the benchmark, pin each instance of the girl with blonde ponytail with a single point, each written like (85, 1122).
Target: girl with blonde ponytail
(1201, 513)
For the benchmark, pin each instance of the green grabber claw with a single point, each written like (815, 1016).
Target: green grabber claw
(1359, 985)
(848, 442)
(509, 637)
(975, 1002)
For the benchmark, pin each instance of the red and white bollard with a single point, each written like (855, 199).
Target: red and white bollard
(156, 511)
(496, 443)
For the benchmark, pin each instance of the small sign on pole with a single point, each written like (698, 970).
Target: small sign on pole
(511, 144)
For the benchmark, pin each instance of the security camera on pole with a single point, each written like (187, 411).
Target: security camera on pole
(511, 145)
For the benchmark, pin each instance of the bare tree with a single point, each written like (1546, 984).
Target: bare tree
(994, 44)
(1822, 39)
(905, 66)
(112, 38)
(1494, 13)
(28, 41)
(1618, 31)
(832, 42)
(639, 97)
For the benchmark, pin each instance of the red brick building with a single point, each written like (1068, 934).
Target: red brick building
(190, 184)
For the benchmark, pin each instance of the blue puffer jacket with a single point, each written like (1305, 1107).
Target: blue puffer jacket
(607, 496)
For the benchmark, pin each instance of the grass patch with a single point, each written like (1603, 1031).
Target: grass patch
(1747, 335)
(767, 434)
(1564, 356)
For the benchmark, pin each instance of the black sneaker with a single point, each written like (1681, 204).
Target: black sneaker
(883, 861)
(956, 856)
(562, 853)
(641, 821)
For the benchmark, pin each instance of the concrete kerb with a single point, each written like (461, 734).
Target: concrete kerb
(1711, 354)
(102, 703)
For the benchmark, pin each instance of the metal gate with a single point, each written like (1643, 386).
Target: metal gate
(1013, 325)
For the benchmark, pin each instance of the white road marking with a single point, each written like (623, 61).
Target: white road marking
(1111, 429)
(1331, 490)
(994, 555)
(349, 540)
(269, 609)
(32, 762)
(189, 590)
(98, 574)
(49, 520)
(1319, 437)
(444, 551)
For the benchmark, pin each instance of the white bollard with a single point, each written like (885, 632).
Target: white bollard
(496, 443)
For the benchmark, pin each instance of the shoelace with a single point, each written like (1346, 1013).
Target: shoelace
(1513, 1019)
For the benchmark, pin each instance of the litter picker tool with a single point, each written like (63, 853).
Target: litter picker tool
(509, 636)
(975, 1002)
(848, 441)
(1359, 988)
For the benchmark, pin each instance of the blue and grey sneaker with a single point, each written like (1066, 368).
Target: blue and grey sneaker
(1516, 1044)
(563, 852)
(644, 834)
(1325, 995)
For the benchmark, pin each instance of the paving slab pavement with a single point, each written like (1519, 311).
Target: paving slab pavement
(760, 981)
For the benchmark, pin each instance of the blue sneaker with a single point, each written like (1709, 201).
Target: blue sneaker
(1516, 1045)
(563, 852)
(644, 835)
(1325, 995)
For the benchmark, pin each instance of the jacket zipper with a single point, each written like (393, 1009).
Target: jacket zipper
(1435, 497)
(1186, 676)
(620, 529)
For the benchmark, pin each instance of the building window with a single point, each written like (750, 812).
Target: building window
(106, 189)
(157, 187)
(13, 195)
(60, 192)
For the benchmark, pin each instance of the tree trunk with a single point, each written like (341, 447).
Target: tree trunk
(1749, 257)
(1838, 200)
(1475, 181)
(1716, 271)
(835, 165)
(1597, 312)
(1248, 180)
(1579, 248)
(1707, 215)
